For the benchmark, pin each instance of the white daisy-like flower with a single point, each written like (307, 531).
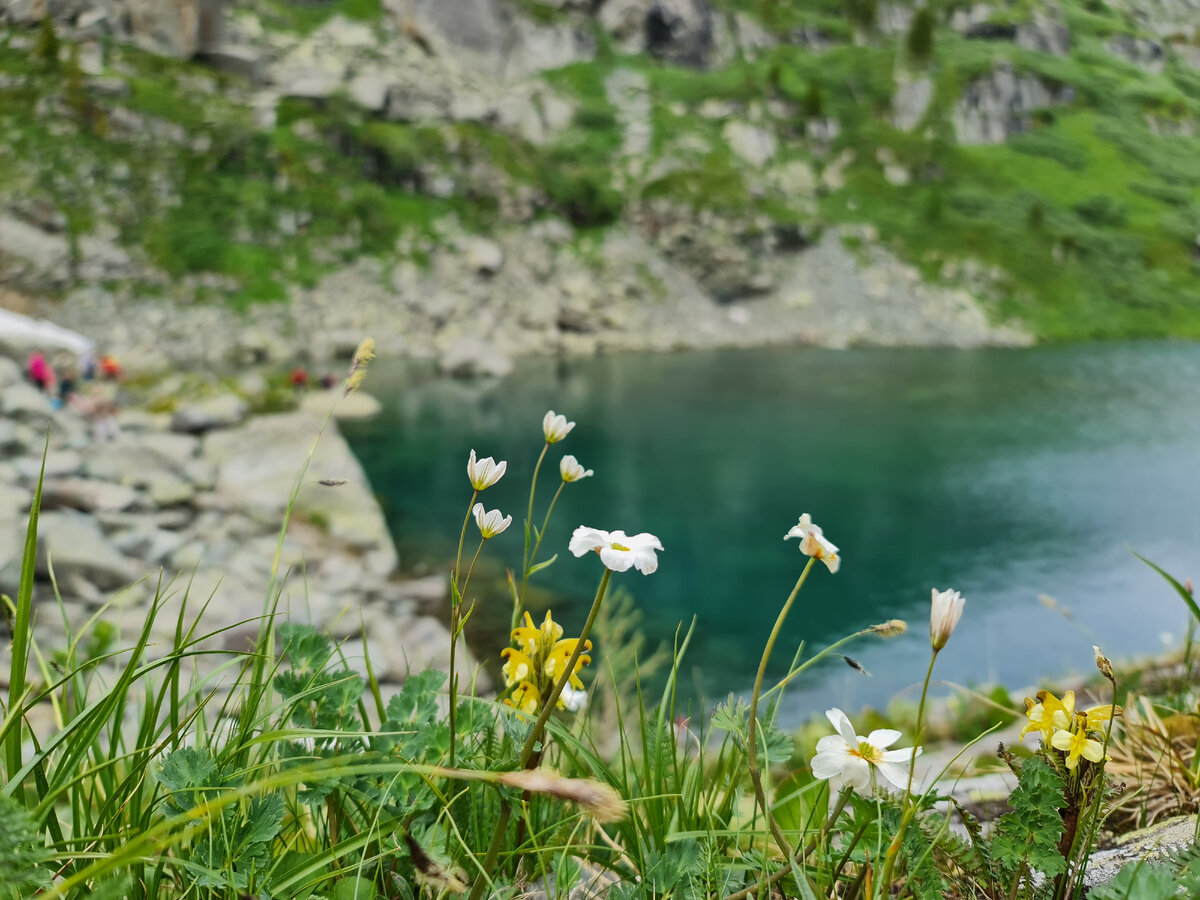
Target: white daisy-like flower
(572, 470)
(814, 543)
(485, 472)
(847, 758)
(492, 522)
(555, 427)
(618, 550)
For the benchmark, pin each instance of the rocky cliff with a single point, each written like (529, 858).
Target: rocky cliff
(199, 180)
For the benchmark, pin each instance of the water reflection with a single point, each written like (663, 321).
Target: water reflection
(1005, 474)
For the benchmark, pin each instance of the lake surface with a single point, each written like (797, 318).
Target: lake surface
(1006, 474)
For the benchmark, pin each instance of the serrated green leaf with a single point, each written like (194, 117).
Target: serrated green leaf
(264, 819)
(1139, 881)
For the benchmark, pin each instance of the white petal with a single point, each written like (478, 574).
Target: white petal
(645, 561)
(906, 756)
(830, 743)
(584, 540)
(883, 737)
(894, 773)
(826, 765)
(857, 773)
(643, 541)
(617, 560)
(832, 563)
(839, 721)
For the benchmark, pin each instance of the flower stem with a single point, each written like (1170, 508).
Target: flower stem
(909, 808)
(752, 732)
(532, 558)
(526, 561)
(456, 596)
(548, 704)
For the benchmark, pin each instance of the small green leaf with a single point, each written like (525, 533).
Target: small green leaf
(545, 564)
(354, 889)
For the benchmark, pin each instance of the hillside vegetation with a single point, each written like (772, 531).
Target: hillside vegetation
(1045, 157)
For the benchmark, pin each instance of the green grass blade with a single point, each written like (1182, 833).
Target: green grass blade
(1179, 588)
(24, 614)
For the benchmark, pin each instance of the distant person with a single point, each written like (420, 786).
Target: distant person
(101, 407)
(38, 371)
(299, 378)
(329, 381)
(67, 386)
(110, 368)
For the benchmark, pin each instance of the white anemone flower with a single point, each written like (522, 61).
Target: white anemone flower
(814, 543)
(846, 758)
(490, 523)
(572, 470)
(618, 550)
(944, 613)
(555, 427)
(485, 472)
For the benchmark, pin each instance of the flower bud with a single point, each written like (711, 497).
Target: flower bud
(946, 610)
(555, 427)
(485, 472)
(1102, 662)
(890, 628)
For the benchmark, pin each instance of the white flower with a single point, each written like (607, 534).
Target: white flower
(618, 551)
(573, 699)
(814, 543)
(572, 470)
(555, 427)
(846, 758)
(944, 614)
(485, 472)
(490, 523)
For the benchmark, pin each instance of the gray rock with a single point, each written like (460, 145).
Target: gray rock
(370, 91)
(470, 356)
(10, 372)
(1147, 55)
(356, 407)
(999, 106)
(167, 490)
(204, 415)
(753, 145)
(1045, 35)
(59, 464)
(428, 590)
(1144, 845)
(87, 495)
(309, 84)
(258, 464)
(177, 449)
(483, 256)
(10, 439)
(24, 402)
(911, 101)
(414, 645)
(153, 545)
(238, 59)
(677, 31)
(74, 544)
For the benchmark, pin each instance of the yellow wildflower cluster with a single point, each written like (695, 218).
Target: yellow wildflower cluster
(1062, 728)
(537, 661)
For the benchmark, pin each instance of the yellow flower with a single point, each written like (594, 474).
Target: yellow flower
(551, 631)
(525, 698)
(557, 661)
(1098, 715)
(1049, 714)
(526, 636)
(518, 668)
(1077, 744)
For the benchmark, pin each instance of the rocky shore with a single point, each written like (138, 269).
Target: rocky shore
(187, 504)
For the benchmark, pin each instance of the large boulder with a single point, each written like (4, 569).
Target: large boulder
(223, 411)
(74, 545)
(1000, 105)
(87, 495)
(471, 356)
(257, 465)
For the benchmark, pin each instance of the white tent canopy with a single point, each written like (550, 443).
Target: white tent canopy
(21, 334)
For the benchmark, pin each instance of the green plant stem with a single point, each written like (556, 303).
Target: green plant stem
(456, 598)
(527, 560)
(893, 850)
(752, 731)
(801, 855)
(537, 546)
(1094, 816)
(535, 734)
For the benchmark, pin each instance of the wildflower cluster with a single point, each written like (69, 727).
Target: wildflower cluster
(1061, 727)
(537, 662)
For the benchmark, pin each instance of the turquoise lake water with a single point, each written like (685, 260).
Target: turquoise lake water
(1006, 474)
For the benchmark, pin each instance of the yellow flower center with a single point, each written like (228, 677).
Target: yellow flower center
(617, 546)
(868, 752)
